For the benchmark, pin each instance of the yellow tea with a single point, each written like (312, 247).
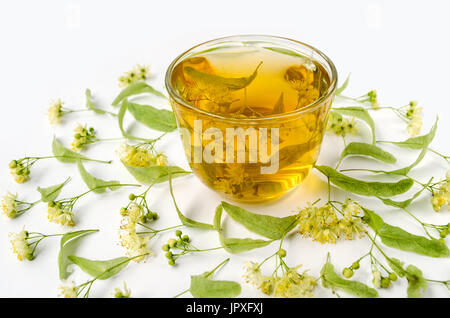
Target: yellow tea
(248, 116)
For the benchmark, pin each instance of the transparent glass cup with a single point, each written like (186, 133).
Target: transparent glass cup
(250, 159)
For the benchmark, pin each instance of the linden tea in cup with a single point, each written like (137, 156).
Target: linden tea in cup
(252, 112)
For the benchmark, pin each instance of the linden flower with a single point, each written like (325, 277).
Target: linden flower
(20, 246)
(55, 112)
(82, 137)
(414, 126)
(9, 205)
(294, 285)
(19, 172)
(414, 115)
(134, 244)
(60, 216)
(441, 197)
(376, 281)
(341, 126)
(301, 78)
(372, 95)
(319, 223)
(322, 223)
(68, 291)
(252, 274)
(136, 156)
(138, 73)
(118, 293)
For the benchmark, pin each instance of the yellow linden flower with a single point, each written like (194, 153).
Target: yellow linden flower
(126, 293)
(82, 137)
(138, 73)
(60, 216)
(68, 291)
(252, 274)
(301, 78)
(134, 243)
(341, 126)
(135, 156)
(9, 205)
(441, 197)
(376, 281)
(20, 246)
(294, 285)
(414, 126)
(55, 112)
(373, 99)
(20, 173)
(414, 115)
(323, 225)
(142, 71)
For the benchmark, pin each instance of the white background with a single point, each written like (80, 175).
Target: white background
(56, 49)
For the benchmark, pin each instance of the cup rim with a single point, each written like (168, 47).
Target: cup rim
(308, 108)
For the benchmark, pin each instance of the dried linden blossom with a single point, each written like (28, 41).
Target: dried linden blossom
(136, 74)
(323, 225)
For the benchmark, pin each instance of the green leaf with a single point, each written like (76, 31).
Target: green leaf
(418, 142)
(284, 51)
(90, 104)
(416, 282)
(405, 203)
(208, 80)
(330, 279)
(378, 189)
(426, 142)
(360, 113)
(100, 269)
(344, 86)
(51, 193)
(135, 89)
(203, 287)
(269, 226)
(397, 266)
(364, 149)
(155, 174)
(235, 245)
(185, 220)
(92, 182)
(67, 246)
(65, 155)
(398, 238)
(158, 119)
(279, 106)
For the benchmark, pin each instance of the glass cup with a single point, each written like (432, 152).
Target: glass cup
(250, 158)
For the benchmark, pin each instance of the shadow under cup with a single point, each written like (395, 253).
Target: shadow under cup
(245, 155)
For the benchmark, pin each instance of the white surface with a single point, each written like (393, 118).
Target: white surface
(56, 49)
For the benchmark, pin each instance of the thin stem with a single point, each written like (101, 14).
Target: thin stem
(217, 267)
(182, 293)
